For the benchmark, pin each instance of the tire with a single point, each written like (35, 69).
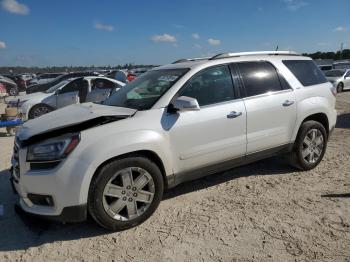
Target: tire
(12, 91)
(102, 206)
(39, 110)
(301, 156)
(340, 87)
(11, 130)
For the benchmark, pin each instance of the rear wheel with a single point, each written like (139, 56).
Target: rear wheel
(340, 87)
(310, 146)
(125, 193)
(39, 110)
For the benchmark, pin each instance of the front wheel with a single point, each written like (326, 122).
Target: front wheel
(39, 110)
(125, 193)
(310, 146)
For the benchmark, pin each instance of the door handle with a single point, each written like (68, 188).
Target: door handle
(234, 114)
(288, 103)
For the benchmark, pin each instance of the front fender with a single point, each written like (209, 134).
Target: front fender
(101, 150)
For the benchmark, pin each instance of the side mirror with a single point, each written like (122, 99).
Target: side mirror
(185, 103)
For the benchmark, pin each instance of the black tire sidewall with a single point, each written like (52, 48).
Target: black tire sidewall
(340, 87)
(13, 90)
(304, 129)
(31, 111)
(95, 199)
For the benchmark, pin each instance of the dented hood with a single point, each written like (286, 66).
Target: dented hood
(72, 119)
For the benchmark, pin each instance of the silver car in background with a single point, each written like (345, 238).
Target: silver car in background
(340, 78)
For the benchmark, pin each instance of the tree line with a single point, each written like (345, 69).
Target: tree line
(330, 55)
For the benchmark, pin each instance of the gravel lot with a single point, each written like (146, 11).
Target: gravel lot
(260, 212)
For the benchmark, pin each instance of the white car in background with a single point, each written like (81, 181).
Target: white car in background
(67, 92)
(340, 78)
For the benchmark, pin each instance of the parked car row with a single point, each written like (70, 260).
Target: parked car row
(43, 78)
(31, 83)
(45, 86)
(73, 90)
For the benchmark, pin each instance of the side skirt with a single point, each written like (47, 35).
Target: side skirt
(179, 178)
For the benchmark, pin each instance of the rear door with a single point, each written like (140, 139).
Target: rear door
(270, 105)
(100, 89)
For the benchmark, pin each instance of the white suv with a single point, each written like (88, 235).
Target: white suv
(174, 123)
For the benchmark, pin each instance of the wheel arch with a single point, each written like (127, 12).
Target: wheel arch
(322, 118)
(149, 154)
(30, 108)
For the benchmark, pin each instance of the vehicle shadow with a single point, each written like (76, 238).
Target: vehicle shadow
(270, 166)
(4, 134)
(343, 121)
(20, 231)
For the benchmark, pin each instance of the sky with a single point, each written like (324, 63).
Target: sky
(80, 32)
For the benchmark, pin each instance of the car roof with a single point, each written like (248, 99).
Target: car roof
(104, 77)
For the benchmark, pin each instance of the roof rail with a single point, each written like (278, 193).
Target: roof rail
(190, 59)
(229, 55)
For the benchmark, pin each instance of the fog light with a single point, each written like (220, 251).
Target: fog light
(41, 200)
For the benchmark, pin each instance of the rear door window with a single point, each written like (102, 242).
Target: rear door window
(259, 78)
(306, 71)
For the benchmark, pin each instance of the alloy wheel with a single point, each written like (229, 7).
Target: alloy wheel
(13, 91)
(313, 145)
(41, 110)
(128, 194)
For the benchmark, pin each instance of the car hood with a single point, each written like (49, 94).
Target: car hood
(27, 97)
(74, 118)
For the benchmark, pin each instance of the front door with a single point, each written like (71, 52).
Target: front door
(215, 133)
(70, 93)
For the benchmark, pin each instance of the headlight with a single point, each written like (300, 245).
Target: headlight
(53, 149)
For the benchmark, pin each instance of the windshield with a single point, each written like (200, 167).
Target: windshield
(144, 92)
(55, 87)
(335, 73)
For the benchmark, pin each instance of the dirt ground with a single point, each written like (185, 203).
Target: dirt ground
(265, 211)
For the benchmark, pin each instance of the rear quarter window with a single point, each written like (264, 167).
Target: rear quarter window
(306, 71)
